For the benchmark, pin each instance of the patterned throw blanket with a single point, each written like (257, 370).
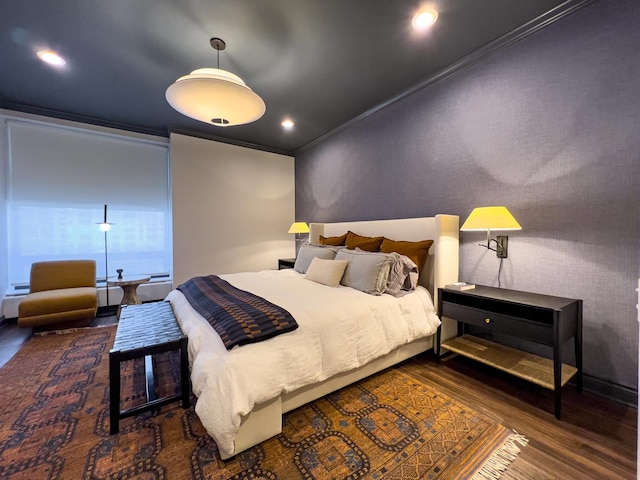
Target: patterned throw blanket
(238, 316)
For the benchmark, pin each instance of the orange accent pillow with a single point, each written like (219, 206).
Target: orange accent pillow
(333, 241)
(369, 244)
(416, 251)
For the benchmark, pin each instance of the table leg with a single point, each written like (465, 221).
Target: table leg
(130, 295)
(557, 370)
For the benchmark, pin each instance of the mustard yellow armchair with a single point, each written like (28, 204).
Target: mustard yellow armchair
(61, 291)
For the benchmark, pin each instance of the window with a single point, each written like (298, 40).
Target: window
(61, 177)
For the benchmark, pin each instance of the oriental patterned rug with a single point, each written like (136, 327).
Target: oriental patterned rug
(54, 423)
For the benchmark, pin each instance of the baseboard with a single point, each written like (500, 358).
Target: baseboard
(613, 391)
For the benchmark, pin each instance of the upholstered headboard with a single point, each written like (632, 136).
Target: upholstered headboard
(442, 263)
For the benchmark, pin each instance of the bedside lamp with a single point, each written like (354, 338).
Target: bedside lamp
(298, 228)
(492, 218)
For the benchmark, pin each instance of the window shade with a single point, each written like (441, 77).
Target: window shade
(61, 177)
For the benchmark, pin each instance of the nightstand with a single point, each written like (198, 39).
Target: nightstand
(286, 263)
(542, 319)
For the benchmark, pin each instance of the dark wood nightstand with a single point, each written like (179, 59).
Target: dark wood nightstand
(286, 263)
(542, 319)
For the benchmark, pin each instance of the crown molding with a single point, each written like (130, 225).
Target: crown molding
(73, 117)
(230, 141)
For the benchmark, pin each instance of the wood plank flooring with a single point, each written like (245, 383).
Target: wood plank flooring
(12, 337)
(596, 438)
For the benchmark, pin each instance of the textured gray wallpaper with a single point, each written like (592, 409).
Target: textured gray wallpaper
(549, 127)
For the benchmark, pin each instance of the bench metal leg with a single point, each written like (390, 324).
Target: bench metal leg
(114, 392)
(150, 381)
(184, 373)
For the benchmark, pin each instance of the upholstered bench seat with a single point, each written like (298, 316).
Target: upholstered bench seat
(58, 306)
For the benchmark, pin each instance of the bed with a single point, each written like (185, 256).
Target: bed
(240, 409)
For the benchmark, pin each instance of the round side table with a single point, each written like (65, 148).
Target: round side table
(129, 285)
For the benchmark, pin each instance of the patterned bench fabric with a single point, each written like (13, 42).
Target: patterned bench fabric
(239, 317)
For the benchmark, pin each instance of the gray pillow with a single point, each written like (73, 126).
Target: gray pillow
(366, 271)
(308, 252)
(403, 275)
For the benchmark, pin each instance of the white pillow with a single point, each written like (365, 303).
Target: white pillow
(308, 253)
(367, 271)
(327, 272)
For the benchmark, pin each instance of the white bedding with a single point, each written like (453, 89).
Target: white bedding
(340, 329)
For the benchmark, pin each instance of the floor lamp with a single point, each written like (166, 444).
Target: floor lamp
(105, 227)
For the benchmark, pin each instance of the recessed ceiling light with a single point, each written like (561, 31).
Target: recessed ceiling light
(52, 58)
(287, 124)
(424, 19)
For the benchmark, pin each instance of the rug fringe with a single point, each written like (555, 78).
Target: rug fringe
(501, 458)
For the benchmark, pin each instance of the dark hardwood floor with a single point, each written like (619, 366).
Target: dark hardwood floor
(12, 337)
(596, 438)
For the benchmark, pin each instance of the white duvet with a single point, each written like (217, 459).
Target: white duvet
(339, 329)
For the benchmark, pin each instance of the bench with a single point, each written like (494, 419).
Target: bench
(145, 330)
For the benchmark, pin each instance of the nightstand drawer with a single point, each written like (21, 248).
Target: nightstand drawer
(498, 323)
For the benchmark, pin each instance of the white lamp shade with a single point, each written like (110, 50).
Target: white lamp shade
(299, 227)
(215, 96)
(490, 218)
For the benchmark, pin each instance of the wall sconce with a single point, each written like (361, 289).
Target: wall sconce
(298, 228)
(492, 218)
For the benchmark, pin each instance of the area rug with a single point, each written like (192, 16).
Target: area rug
(54, 423)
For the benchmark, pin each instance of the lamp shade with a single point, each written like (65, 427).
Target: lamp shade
(299, 227)
(215, 96)
(105, 226)
(490, 218)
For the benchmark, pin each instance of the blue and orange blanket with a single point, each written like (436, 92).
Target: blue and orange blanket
(238, 316)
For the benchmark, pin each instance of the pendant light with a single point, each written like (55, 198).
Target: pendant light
(215, 96)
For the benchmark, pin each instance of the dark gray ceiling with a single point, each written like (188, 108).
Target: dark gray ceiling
(321, 62)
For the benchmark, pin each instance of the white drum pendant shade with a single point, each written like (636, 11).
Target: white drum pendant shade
(215, 96)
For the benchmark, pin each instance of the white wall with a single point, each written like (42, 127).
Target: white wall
(232, 207)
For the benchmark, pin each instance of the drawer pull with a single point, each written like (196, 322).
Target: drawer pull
(487, 320)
